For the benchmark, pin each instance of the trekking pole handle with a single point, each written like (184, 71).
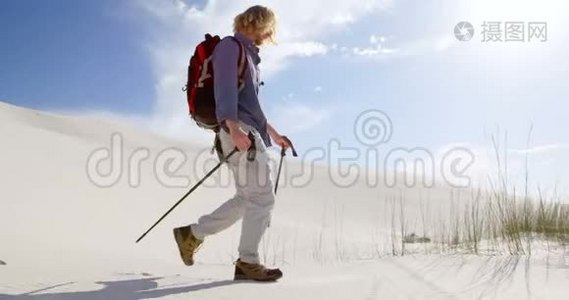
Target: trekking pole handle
(252, 151)
(283, 150)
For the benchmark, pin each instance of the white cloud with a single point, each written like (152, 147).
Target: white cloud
(544, 166)
(305, 117)
(373, 51)
(378, 48)
(304, 49)
(443, 43)
(276, 58)
(436, 43)
(177, 26)
(300, 23)
(341, 18)
(288, 96)
(542, 149)
(376, 39)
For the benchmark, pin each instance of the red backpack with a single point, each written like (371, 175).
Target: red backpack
(199, 87)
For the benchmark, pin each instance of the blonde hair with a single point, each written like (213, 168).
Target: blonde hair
(256, 20)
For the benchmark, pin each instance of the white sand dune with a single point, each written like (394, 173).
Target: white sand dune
(64, 237)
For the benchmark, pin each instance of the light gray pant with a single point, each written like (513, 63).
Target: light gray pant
(253, 200)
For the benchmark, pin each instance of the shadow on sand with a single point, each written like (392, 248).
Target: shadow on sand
(145, 288)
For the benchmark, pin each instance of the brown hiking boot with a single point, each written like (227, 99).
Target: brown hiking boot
(188, 244)
(245, 271)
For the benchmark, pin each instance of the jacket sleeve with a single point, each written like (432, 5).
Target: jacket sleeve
(225, 82)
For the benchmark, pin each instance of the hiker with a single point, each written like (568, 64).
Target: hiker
(245, 127)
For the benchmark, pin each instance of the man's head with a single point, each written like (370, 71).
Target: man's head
(258, 23)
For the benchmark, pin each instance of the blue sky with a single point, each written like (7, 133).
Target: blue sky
(335, 59)
(73, 55)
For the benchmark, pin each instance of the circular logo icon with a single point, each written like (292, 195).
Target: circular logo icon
(373, 128)
(463, 31)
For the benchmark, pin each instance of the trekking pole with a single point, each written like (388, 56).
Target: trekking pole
(187, 194)
(283, 154)
(251, 137)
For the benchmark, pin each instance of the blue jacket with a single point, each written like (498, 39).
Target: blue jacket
(232, 104)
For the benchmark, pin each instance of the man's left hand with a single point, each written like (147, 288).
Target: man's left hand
(282, 141)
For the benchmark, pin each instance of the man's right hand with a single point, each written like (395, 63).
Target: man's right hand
(239, 138)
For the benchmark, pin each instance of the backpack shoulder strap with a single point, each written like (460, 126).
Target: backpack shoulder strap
(242, 63)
